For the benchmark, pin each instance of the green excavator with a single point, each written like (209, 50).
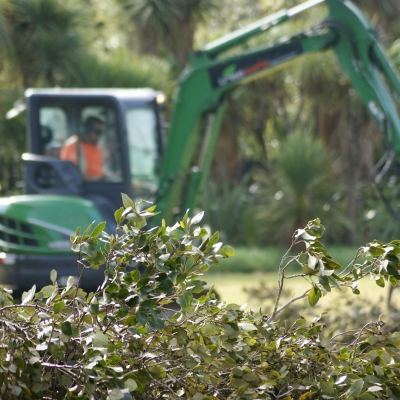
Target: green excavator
(143, 163)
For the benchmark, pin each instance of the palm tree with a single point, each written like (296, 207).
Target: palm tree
(303, 185)
(121, 68)
(385, 15)
(46, 37)
(4, 36)
(167, 27)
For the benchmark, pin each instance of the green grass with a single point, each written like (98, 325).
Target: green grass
(250, 260)
(231, 289)
(252, 266)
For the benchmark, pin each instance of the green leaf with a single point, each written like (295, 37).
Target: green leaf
(66, 328)
(132, 301)
(227, 251)
(375, 388)
(87, 248)
(197, 218)
(242, 389)
(59, 306)
(98, 229)
(315, 228)
(330, 264)
(180, 278)
(376, 251)
(156, 323)
(308, 271)
(380, 282)
(203, 232)
(29, 295)
(197, 282)
(96, 260)
(157, 371)
(100, 340)
(70, 283)
(131, 384)
(324, 282)
(340, 380)
(126, 201)
(151, 209)
(393, 281)
(165, 285)
(247, 326)
(94, 308)
(43, 315)
(185, 301)
(239, 383)
(118, 215)
(142, 317)
(314, 295)
(115, 394)
(131, 321)
(249, 376)
(314, 330)
(209, 330)
(356, 388)
(16, 390)
(87, 230)
(327, 387)
(213, 239)
(53, 276)
(395, 390)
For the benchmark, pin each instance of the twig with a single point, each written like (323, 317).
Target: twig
(292, 300)
(22, 306)
(296, 276)
(281, 277)
(60, 366)
(351, 265)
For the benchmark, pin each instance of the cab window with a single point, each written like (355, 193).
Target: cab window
(141, 126)
(65, 122)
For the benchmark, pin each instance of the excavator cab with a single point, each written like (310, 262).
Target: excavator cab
(130, 144)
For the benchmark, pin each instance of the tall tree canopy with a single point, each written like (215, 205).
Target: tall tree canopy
(47, 38)
(167, 27)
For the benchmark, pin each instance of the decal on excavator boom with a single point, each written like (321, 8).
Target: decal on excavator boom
(230, 72)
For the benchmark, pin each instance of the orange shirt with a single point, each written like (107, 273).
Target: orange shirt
(89, 162)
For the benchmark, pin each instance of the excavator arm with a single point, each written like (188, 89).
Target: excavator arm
(199, 103)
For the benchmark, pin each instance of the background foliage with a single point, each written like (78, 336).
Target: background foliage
(124, 43)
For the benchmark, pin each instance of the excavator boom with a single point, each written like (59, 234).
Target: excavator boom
(210, 76)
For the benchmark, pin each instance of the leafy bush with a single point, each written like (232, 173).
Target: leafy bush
(144, 335)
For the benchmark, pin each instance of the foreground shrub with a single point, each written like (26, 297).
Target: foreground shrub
(127, 341)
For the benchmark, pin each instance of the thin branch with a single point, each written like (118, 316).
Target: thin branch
(351, 265)
(346, 333)
(281, 276)
(296, 276)
(292, 300)
(10, 307)
(286, 394)
(61, 366)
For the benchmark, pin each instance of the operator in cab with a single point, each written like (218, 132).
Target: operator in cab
(84, 151)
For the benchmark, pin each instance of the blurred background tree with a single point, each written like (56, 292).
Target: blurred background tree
(145, 43)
